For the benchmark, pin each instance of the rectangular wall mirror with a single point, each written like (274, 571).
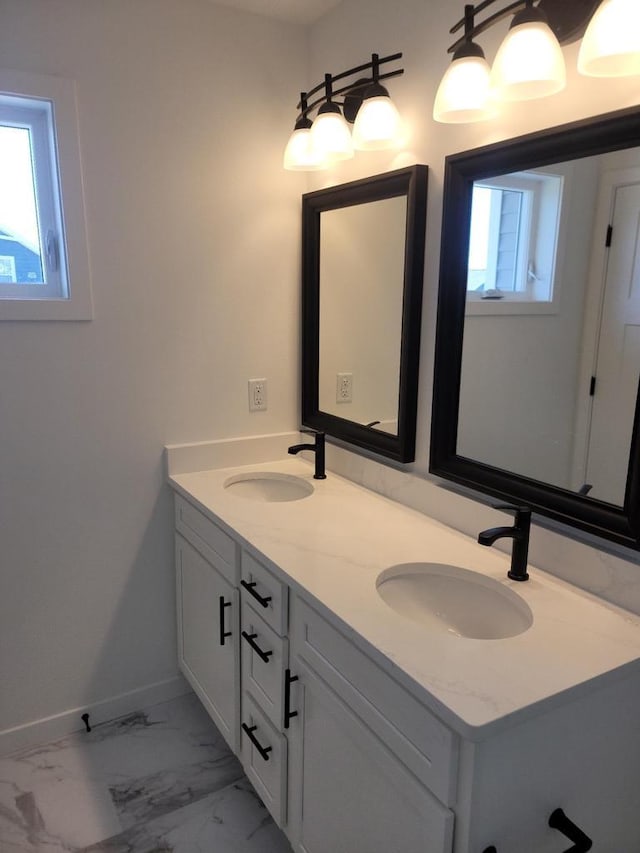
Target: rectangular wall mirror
(538, 340)
(362, 272)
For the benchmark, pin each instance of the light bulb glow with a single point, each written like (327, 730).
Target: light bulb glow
(529, 64)
(464, 92)
(300, 154)
(378, 125)
(331, 136)
(611, 44)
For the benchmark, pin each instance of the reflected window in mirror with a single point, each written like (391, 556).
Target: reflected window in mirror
(538, 342)
(363, 263)
(513, 239)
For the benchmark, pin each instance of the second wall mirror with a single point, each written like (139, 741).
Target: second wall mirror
(538, 341)
(362, 272)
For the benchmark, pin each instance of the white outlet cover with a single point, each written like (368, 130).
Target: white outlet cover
(344, 387)
(257, 395)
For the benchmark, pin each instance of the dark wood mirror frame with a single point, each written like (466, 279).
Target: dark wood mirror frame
(613, 131)
(412, 183)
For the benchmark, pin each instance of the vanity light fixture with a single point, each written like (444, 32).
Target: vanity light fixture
(330, 133)
(464, 93)
(611, 45)
(315, 144)
(529, 63)
(300, 153)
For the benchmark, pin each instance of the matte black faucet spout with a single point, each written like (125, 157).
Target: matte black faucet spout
(520, 535)
(317, 448)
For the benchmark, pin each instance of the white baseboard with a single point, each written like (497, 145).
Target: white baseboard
(60, 725)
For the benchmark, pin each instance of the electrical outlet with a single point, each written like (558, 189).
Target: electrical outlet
(257, 395)
(344, 387)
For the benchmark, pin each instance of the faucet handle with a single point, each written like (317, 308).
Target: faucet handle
(523, 513)
(309, 431)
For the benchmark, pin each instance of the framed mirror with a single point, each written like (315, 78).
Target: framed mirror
(362, 272)
(538, 336)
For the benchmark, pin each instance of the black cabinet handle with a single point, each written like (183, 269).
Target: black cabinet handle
(251, 588)
(288, 713)
(263, 750)
(561, 822)
(223, 634)
(491, 849)
(251, 639)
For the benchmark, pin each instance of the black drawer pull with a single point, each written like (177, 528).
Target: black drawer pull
(251, 639)
(288, 713)
(561, 822)
(263, 750)
(223, 634)
(250, 587)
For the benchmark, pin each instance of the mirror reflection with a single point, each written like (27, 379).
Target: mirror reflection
(538, 339)
(362, 274)
(361, 288)
(547, 309)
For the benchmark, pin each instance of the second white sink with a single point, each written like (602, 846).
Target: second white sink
(268, 486)
(454, 600)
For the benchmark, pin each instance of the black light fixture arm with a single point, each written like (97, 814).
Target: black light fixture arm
(305, 106)
(477, 29)
(568, 19)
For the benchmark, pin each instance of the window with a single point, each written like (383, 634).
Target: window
(44, 269)
(513, 242)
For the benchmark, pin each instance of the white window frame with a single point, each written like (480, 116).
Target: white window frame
(47, 105)
(527, 299)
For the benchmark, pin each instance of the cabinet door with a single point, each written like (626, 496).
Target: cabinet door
(347, 790)
(208, 638)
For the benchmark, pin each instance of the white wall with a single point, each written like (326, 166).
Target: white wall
(356, 28)
(184, 108)
(347, 36)
(194, 236)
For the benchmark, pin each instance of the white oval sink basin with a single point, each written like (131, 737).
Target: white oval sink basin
(268, 486)
(454, 600)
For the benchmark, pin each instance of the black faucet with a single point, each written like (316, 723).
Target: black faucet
(317, 448)
(520, 535)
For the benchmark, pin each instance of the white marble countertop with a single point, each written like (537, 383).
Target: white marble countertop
(332, 546)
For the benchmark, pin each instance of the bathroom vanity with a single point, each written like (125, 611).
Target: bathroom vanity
(364, 727)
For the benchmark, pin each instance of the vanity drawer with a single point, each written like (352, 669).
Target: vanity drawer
(265, 657)
(267, 594)
(205, 535)
(422, 742)
(264, 758)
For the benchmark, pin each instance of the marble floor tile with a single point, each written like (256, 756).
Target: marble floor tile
(233, 820)
(119, 779)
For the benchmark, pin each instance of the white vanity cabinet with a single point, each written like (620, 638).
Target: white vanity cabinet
(349, 754)
(265, 656)
(208, 615)
(367, 762)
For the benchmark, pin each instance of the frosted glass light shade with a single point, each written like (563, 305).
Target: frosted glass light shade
(464, 92)
(331, 136)
(300, 154)
(529, 64)
(378, 125)
(611, 44)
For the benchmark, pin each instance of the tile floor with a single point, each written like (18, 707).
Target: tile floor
(158, 781)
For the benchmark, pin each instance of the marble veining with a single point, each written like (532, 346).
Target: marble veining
(158, 781)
